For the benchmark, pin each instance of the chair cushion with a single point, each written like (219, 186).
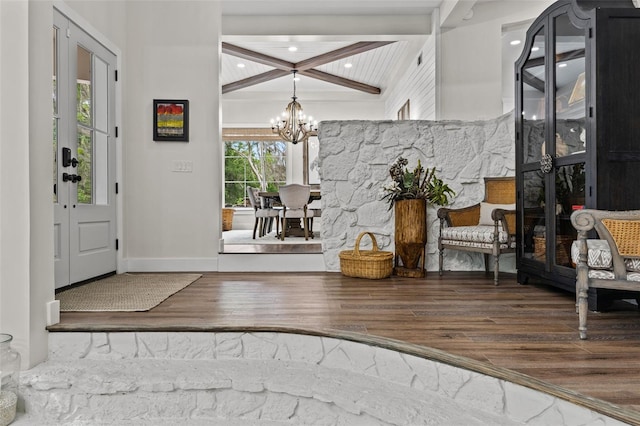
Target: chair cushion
(604, 274)
(599, 256)
(476, 245)
(473, 234)
(487, 208)
(266, 213)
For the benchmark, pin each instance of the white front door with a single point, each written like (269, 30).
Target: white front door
(84, 155)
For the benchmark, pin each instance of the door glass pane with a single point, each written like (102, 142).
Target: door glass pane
(84, 99)
(100, 92)
(101, 170)
(570, 87)
(533, 101)
(85, 165)
(534, 230)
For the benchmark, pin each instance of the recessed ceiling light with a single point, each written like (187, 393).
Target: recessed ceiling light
(515, 42)
(535, 48)
(562, 65)
(240, 65)
(292, 48)
(296, 78)
(348, 65)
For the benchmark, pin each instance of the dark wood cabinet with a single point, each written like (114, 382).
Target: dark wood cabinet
(577, 131)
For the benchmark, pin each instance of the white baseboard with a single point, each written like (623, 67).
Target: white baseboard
(230, 262)
(277, 262)
(170, 264)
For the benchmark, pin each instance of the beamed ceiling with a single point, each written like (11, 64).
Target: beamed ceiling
(307, 67)
(379, 39)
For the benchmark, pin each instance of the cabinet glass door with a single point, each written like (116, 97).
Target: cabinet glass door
(534, 128)
(570, 133)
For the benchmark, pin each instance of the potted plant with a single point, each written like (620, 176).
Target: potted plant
(410, 192)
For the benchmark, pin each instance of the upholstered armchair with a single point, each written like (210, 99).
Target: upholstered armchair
(612, 261)
(294, 199)
(264, 215)
(488, 227)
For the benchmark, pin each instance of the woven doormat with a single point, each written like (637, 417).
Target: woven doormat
(123, 292)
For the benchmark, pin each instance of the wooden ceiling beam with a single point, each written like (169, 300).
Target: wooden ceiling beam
(303, 67)
(251, 81)
(341, 53)
(340, 81)
(250, 55)
(533, 81)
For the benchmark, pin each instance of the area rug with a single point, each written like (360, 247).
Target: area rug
(123, 292)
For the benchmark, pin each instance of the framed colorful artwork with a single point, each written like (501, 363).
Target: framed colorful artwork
(170, 120)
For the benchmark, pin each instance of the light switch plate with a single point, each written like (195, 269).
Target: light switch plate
(184, 166)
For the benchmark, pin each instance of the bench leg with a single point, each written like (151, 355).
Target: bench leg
(583, 307)
(496, 268)
(440, 255)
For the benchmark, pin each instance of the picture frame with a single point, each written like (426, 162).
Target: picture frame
(404, 112)
(170, 120)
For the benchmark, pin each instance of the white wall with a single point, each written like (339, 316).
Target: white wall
(15, 285)
(471, 78)
(172, 219)
(418, 85)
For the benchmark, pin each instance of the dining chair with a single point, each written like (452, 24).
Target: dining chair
(264, 215)
(294, 198)
(316, 207)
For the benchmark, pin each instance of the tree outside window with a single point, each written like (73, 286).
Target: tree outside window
(259, 164)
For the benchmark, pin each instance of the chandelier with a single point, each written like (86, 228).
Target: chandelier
(293, 125)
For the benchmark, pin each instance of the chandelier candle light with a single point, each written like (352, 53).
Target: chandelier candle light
(293, 125)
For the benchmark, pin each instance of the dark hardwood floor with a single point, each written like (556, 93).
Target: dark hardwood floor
(529, 329)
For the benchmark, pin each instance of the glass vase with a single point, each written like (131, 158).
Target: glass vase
(9, 379)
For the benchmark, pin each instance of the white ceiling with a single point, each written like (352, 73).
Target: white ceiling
(328, 7)
(376, 67)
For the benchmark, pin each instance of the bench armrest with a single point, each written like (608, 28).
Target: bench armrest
(507, 218)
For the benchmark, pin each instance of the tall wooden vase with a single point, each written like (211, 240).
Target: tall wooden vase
(410, 238)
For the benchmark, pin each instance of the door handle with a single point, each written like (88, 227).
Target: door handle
(66, 177)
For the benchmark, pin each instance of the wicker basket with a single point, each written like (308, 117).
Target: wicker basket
(372, 264)
(227, 219)
(563, 249)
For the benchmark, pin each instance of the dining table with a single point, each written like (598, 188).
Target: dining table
(274, 196)
(294, 227)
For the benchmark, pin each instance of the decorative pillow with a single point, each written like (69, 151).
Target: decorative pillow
(487, 208)
(598, 254)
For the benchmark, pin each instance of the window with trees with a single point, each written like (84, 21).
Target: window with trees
(252, 157)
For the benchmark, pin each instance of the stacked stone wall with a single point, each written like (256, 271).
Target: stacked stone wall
(355, 157)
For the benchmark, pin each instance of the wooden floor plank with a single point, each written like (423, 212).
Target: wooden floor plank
(531, 329)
